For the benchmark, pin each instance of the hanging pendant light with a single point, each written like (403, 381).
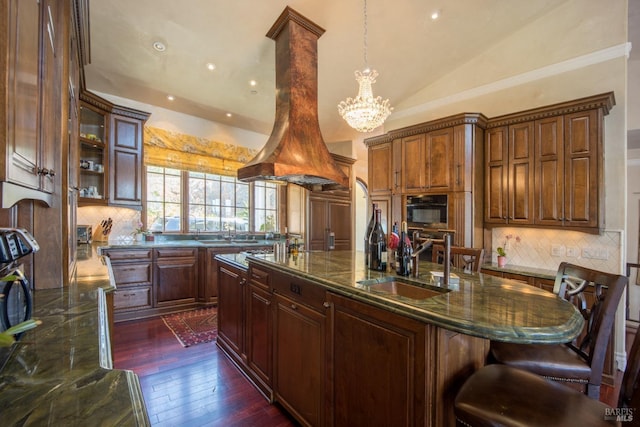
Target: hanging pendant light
(364, 113)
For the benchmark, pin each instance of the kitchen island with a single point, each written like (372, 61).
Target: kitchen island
(350, 346)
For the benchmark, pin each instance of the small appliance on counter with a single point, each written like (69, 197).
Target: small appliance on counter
(84, 233)
(16, 305)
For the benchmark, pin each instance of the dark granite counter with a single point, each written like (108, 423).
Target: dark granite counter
(60, 373)
(187, 241)
(479, 305)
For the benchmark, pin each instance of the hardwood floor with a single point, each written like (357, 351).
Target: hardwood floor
(192, 386)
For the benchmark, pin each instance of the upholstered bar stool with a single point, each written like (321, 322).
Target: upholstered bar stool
(580, 362)
(468, 259)
(499, 395)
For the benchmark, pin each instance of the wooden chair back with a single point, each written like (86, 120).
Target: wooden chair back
(596, 294)
(467, 259)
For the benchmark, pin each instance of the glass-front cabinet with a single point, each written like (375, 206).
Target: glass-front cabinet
(94, 155)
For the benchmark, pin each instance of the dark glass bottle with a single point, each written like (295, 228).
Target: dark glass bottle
(403, 267)
(367, 233)
(392, 246)
(378, 246)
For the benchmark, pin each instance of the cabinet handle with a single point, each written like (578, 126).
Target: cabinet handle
(396, 178)
(243, 281)
(458, 174)
(294, 307)
(326, 304)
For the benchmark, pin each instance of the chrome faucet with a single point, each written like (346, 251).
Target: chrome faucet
(417, 251)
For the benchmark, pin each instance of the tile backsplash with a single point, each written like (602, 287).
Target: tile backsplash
(546, 249)
(124, 222)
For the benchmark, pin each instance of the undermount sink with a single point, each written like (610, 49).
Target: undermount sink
(393, 285)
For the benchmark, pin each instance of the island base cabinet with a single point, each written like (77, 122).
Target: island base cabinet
(299, 355)
(258, 338)
(387, 369)
(377, 366)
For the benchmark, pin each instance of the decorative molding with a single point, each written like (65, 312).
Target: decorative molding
(603, 55)
(604, 101)
(446, 122)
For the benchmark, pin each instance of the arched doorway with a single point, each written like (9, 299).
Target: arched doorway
(360, 213)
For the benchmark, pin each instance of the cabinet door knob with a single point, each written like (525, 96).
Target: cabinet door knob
(326, 304)
(294, 307)
(243, 281)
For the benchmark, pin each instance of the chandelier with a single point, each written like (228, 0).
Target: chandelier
(364, 113)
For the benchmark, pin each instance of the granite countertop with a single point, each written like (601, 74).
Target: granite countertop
(478, 304)
(523, 271)
(60, 373)
(187, 242)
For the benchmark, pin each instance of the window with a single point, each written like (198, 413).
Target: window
(266, 206)
(195, 201)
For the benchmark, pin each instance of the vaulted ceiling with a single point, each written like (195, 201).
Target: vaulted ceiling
(404, 45)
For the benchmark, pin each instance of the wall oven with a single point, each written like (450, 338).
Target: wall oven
(427, 211)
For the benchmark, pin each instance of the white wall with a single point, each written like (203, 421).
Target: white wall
(633, 229)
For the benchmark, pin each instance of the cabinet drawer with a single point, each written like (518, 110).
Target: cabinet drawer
(259, 277)
(132, 298)
(300, 291)
(128, 255)
(176, 252)
(132, 273)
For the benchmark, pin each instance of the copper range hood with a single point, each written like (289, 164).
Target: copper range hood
(296, 151)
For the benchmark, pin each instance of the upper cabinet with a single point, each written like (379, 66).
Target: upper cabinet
(544, 166)
(31, 128)
(442, 156)
(111, 150)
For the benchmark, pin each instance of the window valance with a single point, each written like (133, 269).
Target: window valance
(179, 151)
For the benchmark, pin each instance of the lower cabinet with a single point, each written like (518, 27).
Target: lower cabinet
(299, 360)
(176, 275)
(244, 322)
(378, 366)
(133, 274)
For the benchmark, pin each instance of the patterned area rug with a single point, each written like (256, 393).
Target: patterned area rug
(193, 327)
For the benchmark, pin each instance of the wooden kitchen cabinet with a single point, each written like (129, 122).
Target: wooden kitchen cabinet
(94, 156)
(567, 166)
(330, 214)
(30, 132)
(133, 274)
(426, 161)
(245, 322)
(509, 174)
(176, 276)
(544, 166)
(299, 348)
(231, 310)
(378, 366)
(381, 174)
(111, 151)
(125, 159)
(444, 156)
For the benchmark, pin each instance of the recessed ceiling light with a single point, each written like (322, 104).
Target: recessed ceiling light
(211, 66)
(253, 82)
(435, 14)
(159, 46)
(170, 97)
(229, 114)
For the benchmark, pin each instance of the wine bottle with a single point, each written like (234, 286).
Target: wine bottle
(404, 253)
(378, 246)
(367, 233)
(392, 246)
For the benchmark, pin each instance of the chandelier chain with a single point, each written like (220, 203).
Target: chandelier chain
(366, 63)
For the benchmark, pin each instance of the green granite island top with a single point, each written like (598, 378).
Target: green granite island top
(479, 305)
(60, 373)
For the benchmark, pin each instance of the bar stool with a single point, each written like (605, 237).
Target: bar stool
(580, 362)
(468, 259)
(500, 395)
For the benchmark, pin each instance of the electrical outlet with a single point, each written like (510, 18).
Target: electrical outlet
(573, 252)
(558, 250)
(595, 253)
